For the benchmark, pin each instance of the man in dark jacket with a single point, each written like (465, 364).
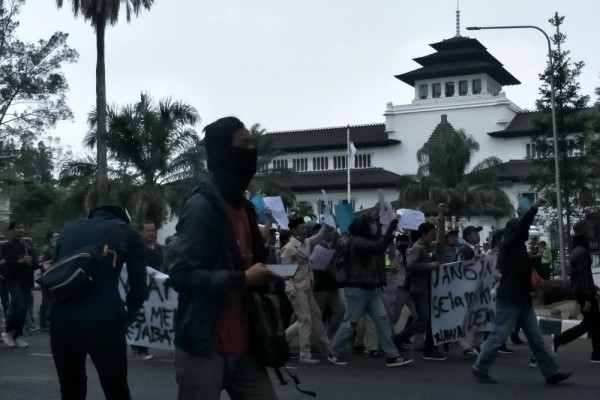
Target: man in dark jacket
(19, 257)
(219, 252)
(584, 290)
(513, 303)
(95, 323)
(361, 294)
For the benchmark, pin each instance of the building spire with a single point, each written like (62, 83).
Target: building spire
(457, 19)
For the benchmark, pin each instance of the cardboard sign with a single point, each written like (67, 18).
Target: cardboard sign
(327, 215)
(321, 258)
(344, 215)
(260, 208)
(411, 219)
(278, 210)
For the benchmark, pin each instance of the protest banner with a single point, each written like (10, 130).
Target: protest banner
(461, 299)
(386, 212)
(154, 326)
(411, 219)
(344, 215)
(327, 215)
(320, 258)
(278, 210)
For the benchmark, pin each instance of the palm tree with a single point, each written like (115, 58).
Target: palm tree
(99, 13)
(442, 178)
(156, 154)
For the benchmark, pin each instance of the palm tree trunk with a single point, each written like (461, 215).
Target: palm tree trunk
(102, 177)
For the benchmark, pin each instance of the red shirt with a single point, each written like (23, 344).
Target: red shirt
(234, 334)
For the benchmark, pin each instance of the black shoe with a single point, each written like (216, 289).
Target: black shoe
(558, 377)
(515, 339)
(505, 350)
(434, 356)
(485, 378)
(371, 353)
(555, 344)
(595, 359)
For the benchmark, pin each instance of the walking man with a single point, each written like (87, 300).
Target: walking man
(514, 304)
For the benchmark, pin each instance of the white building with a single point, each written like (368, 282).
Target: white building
(458, 86)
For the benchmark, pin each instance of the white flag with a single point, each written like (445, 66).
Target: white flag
(351, 155)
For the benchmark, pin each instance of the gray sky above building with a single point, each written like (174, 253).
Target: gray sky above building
(298, 65)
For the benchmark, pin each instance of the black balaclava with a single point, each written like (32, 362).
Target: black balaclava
(232, 167)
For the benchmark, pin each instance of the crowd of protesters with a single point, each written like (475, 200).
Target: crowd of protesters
(220, 253)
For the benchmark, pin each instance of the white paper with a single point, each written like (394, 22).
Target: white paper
(411, 219)
(386, 213)
(278, 210)
(320, 258)
(327, 215)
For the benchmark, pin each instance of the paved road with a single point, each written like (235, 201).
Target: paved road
(29, 374)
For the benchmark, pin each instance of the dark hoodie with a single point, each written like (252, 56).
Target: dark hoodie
(366, 252)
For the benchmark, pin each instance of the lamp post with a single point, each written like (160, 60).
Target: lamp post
(561, 231)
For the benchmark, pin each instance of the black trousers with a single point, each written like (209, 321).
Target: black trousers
(591, 322)
(104, 341)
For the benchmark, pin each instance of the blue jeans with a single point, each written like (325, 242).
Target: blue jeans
(507, 314)
(359, 301)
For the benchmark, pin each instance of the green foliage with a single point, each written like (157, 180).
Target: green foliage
(577, 142)
(32, 87)
(103, 11)
(156, 159)
(442, 178)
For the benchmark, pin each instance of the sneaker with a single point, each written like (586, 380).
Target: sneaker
(555, 344)
(144, 356)
(371, 353)
(309, 361)
(335, 360)
(558, 377)
(434, 356)
(533, 362)
(397, 361)
(483, 377)
(8, 339)
(21, 343)
(470, 353)
(32, 329)
(505, 350)
(595, 359)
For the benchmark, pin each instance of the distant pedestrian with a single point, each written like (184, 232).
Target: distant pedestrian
(584, 290)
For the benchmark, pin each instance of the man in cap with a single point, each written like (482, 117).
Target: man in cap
(582, 285)
(513, 303)
(470, 250)
(217, 257)
(95, 323)
(300, 290)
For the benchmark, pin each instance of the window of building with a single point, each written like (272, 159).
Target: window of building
(423, 92)
(436, 90)
(463, 88)
(339, 162)
(476, 86)
(449, 89)
(280, 165)
(362, 161)
(320, 163)
(300, 164)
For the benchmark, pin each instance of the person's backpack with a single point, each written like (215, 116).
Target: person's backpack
(341, 263)
(74, 274)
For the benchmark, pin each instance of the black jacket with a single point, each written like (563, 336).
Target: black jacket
(582, 281)
(514, 264)
(12, 252)
(204, 265)
(103, 302)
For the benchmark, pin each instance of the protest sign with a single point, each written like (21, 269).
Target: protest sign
(411, 219)
(278, 210)
(154, 326)
(320, 258)
(261, 210)
(461, 299)
(327, 215)
(386, 212)
(344, 215)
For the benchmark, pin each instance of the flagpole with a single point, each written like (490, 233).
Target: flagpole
(348, 154)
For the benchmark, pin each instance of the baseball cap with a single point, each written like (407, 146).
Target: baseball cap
(471, 228)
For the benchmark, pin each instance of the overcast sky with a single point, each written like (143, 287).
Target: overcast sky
(300, 64)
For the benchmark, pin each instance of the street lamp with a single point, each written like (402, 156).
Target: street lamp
(561, 231)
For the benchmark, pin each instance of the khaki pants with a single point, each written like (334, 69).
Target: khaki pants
(308, 324)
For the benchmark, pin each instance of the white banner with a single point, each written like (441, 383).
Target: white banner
(461, 299)
(411, 219)
(155, 324)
